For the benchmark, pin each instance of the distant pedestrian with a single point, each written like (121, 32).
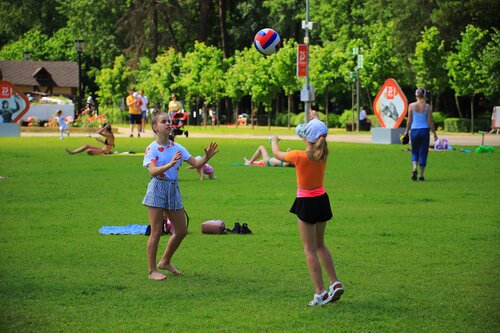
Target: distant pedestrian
(419, 126)
(63, 126)
(134, 111)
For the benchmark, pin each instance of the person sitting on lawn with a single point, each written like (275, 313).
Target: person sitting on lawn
(109, 143)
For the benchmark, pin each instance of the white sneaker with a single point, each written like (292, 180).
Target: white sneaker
(321, 299)
(335, 291)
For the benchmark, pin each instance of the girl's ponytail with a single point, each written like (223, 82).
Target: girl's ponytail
(321, 149)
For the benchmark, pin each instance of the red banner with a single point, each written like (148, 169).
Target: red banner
(301, 60)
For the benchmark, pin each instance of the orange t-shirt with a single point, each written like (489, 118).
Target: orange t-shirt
(310, 174)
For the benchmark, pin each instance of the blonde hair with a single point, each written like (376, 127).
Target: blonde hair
(320, 149)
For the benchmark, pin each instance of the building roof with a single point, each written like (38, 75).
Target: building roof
(62, 73)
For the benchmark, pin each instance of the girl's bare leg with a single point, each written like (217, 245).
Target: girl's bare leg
(323, 252)
(308, 236)
(81, 149)
(261, 151)
(155, 215)
(178, 219)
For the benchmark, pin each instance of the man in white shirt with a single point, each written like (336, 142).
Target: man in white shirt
(144, 110)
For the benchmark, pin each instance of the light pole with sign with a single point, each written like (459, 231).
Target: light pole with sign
(359, 65)
(307, 92)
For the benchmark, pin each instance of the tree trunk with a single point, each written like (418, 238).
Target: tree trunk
(289, 109)
(223, 28)
(154, 30)
(458, 106)
(204, 13)
(326, 108)
(235, 114)
(269, 119)
(472, 114)
(171, 32)
(370, 101)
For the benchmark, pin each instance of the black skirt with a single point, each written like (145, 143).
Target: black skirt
(312, 210)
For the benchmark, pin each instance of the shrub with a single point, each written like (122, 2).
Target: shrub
(333, 120)
(438, 119)
(347, 117)
(463, 125)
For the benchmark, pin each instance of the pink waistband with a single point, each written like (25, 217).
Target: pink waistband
(301, 193)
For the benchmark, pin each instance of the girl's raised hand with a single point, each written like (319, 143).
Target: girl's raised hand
(211, 150)
(176, 158)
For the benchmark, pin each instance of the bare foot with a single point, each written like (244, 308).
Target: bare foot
(69, 151)
(157, 276)
(169, 268)
(247, 161)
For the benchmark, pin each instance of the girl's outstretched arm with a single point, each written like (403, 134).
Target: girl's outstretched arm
(280, 155)
(209, 152)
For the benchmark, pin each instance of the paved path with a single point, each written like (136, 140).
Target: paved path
(454, 139)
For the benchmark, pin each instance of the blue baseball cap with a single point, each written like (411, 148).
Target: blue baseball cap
(312, 131)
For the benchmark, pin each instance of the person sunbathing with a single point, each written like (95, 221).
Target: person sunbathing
(109, 143)
(265, 159)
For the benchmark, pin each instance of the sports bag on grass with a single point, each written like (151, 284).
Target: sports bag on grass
(213, 227)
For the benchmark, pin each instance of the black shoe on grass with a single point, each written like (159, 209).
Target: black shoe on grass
(236, 229)
(245, 230)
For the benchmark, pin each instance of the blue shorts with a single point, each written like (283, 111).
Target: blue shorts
(163, 194)
(144, 114)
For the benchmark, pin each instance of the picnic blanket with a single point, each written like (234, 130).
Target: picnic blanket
(131, 229)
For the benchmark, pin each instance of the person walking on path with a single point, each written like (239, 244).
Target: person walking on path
(312, 206)
(419, 126)
(163, 159)
(134, 112)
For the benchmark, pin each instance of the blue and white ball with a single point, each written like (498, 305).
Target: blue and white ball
(267, 41)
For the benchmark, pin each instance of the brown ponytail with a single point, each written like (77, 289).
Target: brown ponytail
(321, 149)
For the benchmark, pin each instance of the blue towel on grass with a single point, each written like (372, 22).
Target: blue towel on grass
(131, 229)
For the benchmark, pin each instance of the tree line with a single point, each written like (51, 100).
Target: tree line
(202, 48)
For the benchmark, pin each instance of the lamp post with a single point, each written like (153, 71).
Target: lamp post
(79, 45)
(307, 93)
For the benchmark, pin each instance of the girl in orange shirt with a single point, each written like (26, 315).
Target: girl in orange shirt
(312, 206)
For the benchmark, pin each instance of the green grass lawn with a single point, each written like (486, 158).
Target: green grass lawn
(413, 257)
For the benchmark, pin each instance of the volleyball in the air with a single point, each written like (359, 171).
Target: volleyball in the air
(267, 41)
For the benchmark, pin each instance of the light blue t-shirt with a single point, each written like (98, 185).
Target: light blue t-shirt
(162, 155)
(420, 118)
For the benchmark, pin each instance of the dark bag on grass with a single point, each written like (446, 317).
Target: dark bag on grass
(213, 227)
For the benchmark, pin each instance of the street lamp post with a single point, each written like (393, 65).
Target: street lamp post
(79, 45)
(307, 94)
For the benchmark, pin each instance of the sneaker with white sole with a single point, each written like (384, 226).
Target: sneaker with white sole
(321, 299)
(335, 291)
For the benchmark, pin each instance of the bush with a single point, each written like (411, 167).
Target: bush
(333, 120)
(114, 115)
(347, 117)
(463, 125)
(374, 120)
(438, 118)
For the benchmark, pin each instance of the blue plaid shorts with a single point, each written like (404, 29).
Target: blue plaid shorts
(163, 194)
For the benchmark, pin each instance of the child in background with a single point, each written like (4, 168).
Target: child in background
(163, 159)
(63, 127)
(207, 169)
